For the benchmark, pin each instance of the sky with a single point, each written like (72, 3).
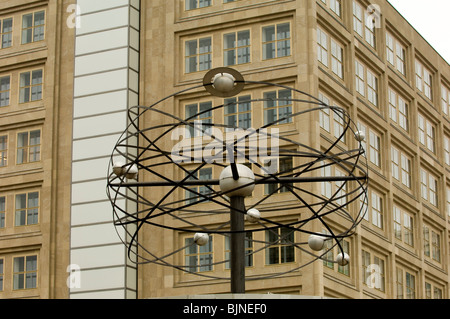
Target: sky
(431, 18)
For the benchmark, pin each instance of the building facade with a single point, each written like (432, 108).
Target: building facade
(71, 69)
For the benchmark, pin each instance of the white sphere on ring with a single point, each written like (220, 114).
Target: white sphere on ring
(253, 215)
(343, 260)
(243, 186)
(223, 82)
(201, 239)
(131, 172)
(118, 168)
(316, 242)
(360, 136)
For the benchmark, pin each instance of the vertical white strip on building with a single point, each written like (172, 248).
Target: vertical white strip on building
(106, 85)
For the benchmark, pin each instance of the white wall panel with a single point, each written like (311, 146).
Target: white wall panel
(108, 278)
(89, 6)
(97, 257)
(100, 103)
(101, 41)
(104, 20)
(94, 147)
(102, 82)
(106, 294)
(91, 213)
(112, 123)
(100, 62)
(95, 235)
(89, 192)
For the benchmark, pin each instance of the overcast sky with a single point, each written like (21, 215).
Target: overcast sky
(431, 18)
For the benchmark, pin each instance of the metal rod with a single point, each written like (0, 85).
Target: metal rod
(237, 261)
(257, 181)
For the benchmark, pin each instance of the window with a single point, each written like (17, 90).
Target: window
(236, 48)
(424, 80)
(33, 26)
(373, 271)
(248, 250)
(432, 243)
(335, 6)
(375, 209)
(427, 133)
(335, 126)
(25, 272)
(429, 187)
(198, 258)
(362, 24)
(433, 292)
(31, 86)
(238, 112)
(396, 53)
(28, 147)
(374, 148)
(331, 249)
(366, 83)
(277, 107)
(27, 209)
(285, 165)
(398, 110)
(445, 100)
(448, 200)
(2, 273)
(447, 150)
(338, 189)
(4, 90)
(406, 284)
(194, 4)
(198, 55)
(2, 211)
(332, 59)
(194, 193)
(281, 249)
(276, 41)
(200, 116)
(401, 167)
(6, 33)
(403, 226)
(3, 150)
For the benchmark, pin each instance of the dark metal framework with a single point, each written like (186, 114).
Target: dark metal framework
(154, 159)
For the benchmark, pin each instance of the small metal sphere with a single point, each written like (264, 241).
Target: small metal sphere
(201, 239)
(360, 136)
(131, 172)
(343, 260)
(231, 187)
(316, 242)
(118, 168)
(253, 215)
(223, 82)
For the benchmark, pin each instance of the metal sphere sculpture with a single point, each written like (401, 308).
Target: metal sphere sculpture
(168, 170)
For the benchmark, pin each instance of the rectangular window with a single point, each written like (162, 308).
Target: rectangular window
(33, 26)
(373, 268)
(330, 53)
(236, 48)
(198, 55)
(427, 133)
(445, 100)
(6, 33)
(362, 25)
(276, 41)
(25, 270)
(28, 147)
(198, 258)
(199, 115)
(248, 250)
(238, 112)
(403, 226)
(2, 273)
(374, 148)
(398, 110)
(424, 80)
(447, 150)
(27, 209)
(432, 243)
(281, 248)
(194, 194)
(432, 292)
(278, 107)
(31, 86)
(5, 86)
(401, 167)
(429, 187)
(3, 151)
(366, 83)
(406, 284)
(2, 211)
(195, 4)
(285, 166)
(396, 53)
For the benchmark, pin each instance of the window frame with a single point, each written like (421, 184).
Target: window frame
(426, 133)
(327, 53)
(277, 107)
(25, 97)
(238, 100)
(428, 192)
(25, 210)
(367, 84)
(6, 91)
(399, 110)
(198, 55)
(25, 151)
(4, 150)
(369, 258)
(236, 47)
(401, 165)
(276, 41)
(280, 245)
(206, 250)
(367, 34)
(4, 33)
(396, 53)
(33, 27)
(424, 80)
